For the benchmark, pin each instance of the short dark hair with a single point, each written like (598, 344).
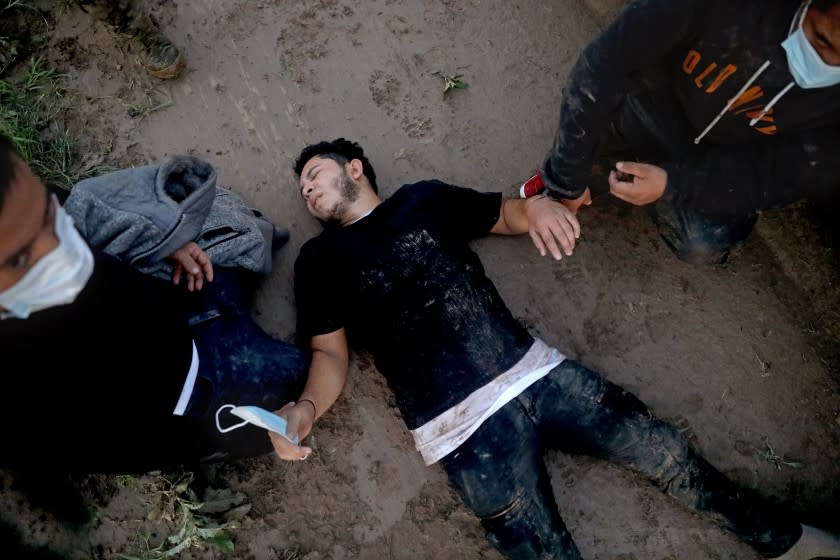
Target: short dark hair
(825, 5)
(7, 166)
(339, 150)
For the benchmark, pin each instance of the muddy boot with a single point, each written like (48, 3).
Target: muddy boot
(161, 58)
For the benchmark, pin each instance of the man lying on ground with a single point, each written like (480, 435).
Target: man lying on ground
(481, 395)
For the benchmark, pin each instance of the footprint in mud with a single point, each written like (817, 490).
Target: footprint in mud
(384, 90)
(417, 127)
(399, 25)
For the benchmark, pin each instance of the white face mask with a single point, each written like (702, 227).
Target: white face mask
(808, 69)
(57, 277)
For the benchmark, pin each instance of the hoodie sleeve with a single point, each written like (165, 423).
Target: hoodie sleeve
(729, 182)
(640, 37)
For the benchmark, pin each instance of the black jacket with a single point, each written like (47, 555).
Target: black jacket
(675, 64)
(90, 386)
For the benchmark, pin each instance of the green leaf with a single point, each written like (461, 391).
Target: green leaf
(223, 542)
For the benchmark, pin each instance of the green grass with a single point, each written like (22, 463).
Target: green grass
(30, 110)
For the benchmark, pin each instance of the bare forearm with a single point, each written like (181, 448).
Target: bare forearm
(327, 375)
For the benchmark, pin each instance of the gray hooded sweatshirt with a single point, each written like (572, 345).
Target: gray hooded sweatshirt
(142, 215)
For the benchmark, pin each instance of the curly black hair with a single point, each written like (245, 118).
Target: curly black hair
(339, 150)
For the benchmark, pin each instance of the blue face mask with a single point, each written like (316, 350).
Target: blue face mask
(808, 69)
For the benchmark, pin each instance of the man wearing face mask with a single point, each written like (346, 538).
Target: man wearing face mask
(735, 104)
(112, 370)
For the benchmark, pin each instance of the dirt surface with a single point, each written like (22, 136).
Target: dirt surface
(740, 356)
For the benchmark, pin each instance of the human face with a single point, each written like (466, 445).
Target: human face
(27, 225)
(328, 189)
(823, 31)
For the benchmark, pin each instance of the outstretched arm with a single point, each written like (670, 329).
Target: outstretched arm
(327, 374)
(551, 225)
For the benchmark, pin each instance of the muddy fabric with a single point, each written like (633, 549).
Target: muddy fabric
(676, 65)
(578, 411)
(406, 285)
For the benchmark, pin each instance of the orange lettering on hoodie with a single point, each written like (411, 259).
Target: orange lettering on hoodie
(698, 81)
(727, 71)
(691, 61)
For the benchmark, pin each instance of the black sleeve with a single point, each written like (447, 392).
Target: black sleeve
(601, 78)
(320, 306)
(464, 213)
(740, 180)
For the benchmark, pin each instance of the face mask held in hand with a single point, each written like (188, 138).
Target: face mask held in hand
(809, 70)
(57, 277)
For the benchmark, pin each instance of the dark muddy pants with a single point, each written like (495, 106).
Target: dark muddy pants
(692, 235)
(501, 475)
(239, 364)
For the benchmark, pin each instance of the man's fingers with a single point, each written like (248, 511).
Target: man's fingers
(634, 168)
(621, 189)
(548, 238)
(176, 274)
(574, 223)
(288, 451)
(206, 265)
(189, 264)
(190, 282)
(565, 235)
(535, 237)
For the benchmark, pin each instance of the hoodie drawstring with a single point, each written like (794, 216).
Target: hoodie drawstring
(797, 21)
(772, 102)
(733, 99)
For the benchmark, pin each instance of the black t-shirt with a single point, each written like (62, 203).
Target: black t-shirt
(405, 284)
(92, 385)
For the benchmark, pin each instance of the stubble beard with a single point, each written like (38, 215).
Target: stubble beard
(349, 191)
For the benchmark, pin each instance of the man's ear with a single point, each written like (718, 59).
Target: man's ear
(357, 169)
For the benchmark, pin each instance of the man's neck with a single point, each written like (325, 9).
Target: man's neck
(361, 208)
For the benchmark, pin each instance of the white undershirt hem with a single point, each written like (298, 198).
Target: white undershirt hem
(443, 434)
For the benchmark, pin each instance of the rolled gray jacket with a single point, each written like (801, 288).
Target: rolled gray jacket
(142, 215)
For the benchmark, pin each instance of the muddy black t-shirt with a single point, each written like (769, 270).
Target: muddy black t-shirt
(405, 284)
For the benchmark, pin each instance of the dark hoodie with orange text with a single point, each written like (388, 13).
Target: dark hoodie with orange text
(707, 85)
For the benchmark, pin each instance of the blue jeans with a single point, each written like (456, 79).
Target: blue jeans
(501, 475)
(239, 364)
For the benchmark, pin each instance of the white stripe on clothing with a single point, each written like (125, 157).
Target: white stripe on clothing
(186, 392)
(443, 434)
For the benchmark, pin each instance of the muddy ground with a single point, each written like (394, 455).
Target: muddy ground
(740, 356)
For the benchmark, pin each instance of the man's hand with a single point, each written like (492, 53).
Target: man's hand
(550, 224)
(646, 185)
(192, 261)
(574, 204)
(299, 417)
